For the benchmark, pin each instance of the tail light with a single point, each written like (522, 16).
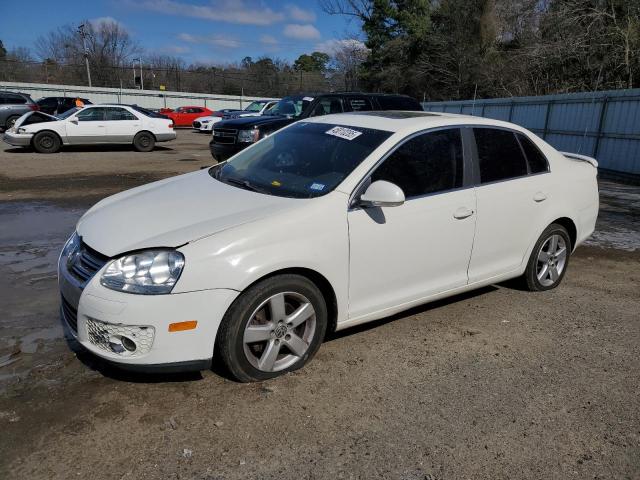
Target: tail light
(34, 107)
(171, 125)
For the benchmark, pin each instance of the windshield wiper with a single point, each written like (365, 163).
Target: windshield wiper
(246, 184)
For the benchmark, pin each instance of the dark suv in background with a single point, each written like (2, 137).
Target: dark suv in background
(12, 106)
(231, 136)
(58, 105)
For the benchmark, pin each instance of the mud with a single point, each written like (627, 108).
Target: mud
(498, 383)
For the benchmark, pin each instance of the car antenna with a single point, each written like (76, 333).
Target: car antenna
(473, 105)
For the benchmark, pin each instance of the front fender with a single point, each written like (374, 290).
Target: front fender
(313, 237)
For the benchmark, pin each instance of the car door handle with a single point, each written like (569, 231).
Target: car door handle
(539, 197)
(462, 212)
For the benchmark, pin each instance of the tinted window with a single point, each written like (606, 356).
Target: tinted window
(304, 160)
(48, 102)
(429, 163)
(360, 104)
(499, 154)
(119, 114)
(398, 103)
(537, 161)
(326, 106)
(15, 99)
(91, 115)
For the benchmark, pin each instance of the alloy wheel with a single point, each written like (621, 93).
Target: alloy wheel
(552, 259)
(279, 332)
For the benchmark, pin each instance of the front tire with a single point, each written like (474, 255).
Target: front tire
(46, 142)
(274, 327)
(549, 259)
(144, 142)
(11, 121)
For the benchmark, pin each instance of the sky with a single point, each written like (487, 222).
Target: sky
(199, 31)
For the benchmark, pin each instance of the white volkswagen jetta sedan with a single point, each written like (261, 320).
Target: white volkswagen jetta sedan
(326, 224)
(94, 124)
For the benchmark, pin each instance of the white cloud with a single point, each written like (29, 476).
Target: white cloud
(301, 32)
(268, 40)
(331, 46)
(300, 14)
(244, 12)
(96, 22)
(221, 41)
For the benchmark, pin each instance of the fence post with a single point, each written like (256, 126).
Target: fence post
(482, 111)
(546, 119)
(511, 109)
(603, 114)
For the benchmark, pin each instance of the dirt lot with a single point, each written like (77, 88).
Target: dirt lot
(499, 383)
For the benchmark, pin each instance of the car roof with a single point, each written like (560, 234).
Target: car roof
(397, 121)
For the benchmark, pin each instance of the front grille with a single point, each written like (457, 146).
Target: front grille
(196, 124)
(70, 315)
(84, 263)
(107, 335)
(224, 135)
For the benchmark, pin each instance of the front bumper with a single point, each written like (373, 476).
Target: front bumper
(17, 139)
(95, 315)
(223, 151)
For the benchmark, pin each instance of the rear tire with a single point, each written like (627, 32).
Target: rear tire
(144, 142)
(273, 327)
(549, 259)
(10, 122)
(46, 142)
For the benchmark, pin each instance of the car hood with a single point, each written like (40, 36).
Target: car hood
(173, 212)
(208, 117)
(253, 122)
(46, 118)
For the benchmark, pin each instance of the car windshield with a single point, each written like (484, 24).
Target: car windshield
(255, 106)
(68, 113)
(305, 160)
(290, 107)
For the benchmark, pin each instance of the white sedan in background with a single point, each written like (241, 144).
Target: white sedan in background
(93, 124)
(328, 223)
(254, 109)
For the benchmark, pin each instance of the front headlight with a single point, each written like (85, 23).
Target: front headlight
(73, 243)
(248, 136)
(204, 121)
(152, 272)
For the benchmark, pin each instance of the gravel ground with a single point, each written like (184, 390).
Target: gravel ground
(498, 383)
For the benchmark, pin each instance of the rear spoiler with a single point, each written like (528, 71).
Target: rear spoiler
(582, 158)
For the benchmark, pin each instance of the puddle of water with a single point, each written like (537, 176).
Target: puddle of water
(31, 238)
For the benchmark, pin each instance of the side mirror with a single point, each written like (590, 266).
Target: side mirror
(382, 194)
(74, 121)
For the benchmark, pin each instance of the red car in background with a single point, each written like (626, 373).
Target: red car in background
(184, 116)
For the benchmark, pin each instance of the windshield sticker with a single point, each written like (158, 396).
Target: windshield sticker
(343, 132)
(317, 186)
(276, 183)
(307, 99)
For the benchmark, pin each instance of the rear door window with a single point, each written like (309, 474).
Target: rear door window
(429, 163)
(326, 106)
(15, 100)
(114, 113)
(537, 161)
(359, 104)
(499, 155)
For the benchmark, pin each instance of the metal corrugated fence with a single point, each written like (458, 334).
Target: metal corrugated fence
(604, 125)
